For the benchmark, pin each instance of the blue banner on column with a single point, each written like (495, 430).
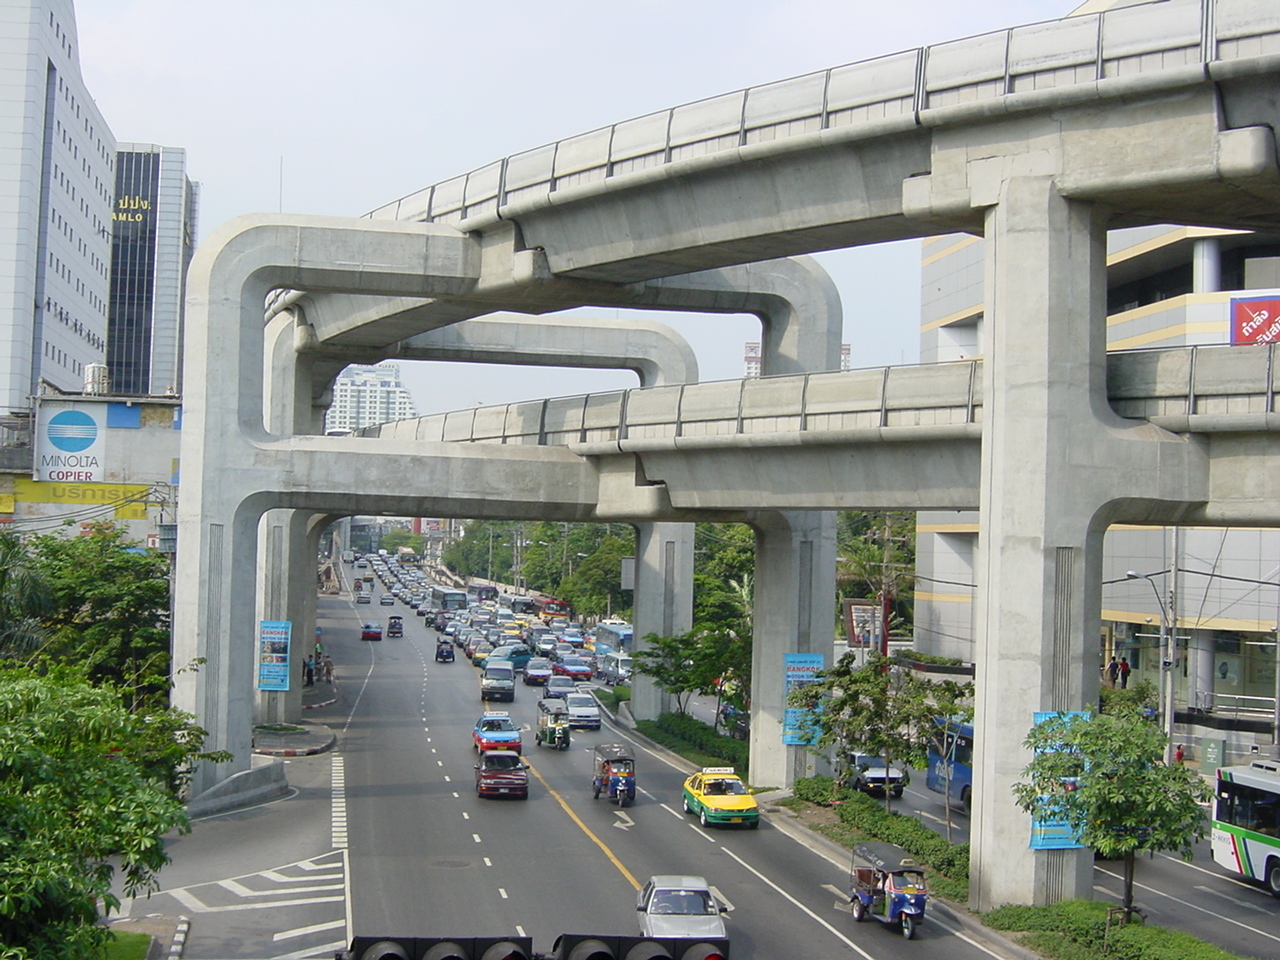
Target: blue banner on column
(799, 670)
(1054, 834)
(273, 654)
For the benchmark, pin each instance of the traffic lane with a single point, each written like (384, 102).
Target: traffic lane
(430, 869)
(780, 892)
(1200, 898)
(773, 907)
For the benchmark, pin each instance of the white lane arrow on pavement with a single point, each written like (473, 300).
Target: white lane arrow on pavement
(625, 822)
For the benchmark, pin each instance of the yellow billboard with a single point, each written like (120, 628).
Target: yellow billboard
(128, 499)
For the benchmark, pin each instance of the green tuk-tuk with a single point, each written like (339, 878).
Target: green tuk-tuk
(553, 724)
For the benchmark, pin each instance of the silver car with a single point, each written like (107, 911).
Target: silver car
(679, 906)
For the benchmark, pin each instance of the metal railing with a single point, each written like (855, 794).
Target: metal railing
(899, 89)
(1201, 388)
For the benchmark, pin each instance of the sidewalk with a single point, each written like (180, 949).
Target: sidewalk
(304, 738)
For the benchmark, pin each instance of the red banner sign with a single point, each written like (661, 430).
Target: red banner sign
(1255, 320)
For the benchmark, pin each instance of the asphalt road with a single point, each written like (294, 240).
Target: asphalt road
(386, 836)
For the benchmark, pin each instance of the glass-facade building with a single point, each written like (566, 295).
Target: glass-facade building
(153, 236)
(364, 396)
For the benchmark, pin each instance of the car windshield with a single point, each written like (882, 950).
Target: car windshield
(501, 763)
(868, 763)
(689, 903)
(497, 725)
(562, 682)
(580, 700)
(573, 662)
(726, 787)
(906, 882)
(538, 665)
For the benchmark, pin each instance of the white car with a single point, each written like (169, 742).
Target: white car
(583, 711)
(679, 906)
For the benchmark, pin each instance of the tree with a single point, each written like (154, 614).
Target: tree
(883, 708)
(83, 782)
(672, 663)
(398, 537)
(24, 599)
(1104, 777)
(110, 607)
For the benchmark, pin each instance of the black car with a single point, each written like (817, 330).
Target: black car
(444, 652)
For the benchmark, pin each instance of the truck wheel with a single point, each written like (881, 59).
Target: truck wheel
(1273, 877)
(702, 817)
(897, 793)
(966, 800)
(595, 792)
(859, 909)
(684, 801)
(909, 926)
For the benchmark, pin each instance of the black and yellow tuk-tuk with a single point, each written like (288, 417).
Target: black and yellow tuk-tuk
(613, 773)
(553, 724)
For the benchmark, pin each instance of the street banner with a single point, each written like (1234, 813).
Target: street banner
(1054, 834)
(273, 654)
(799, 670)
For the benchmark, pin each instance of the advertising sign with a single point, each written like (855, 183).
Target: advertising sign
(1255, 319)
(70, 442)
(128, 500)
(799, 670)
(273, 654)
(862, 620)
(1054, 834)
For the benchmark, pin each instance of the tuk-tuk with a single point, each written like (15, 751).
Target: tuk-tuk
(553, 724)
(613, 773)
(887, 883)
(395, 626)
(444, 651)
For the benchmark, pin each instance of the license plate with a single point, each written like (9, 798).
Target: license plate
(735, 819)
(503, 790)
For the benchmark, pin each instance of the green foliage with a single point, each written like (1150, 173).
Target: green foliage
(696, 741)
(83, 783)
(883, 708)
(822, 789)
(1077, 930)
(909, 833)
(878, 551)
(1120, 798)
(128, 946)
(24, 599)
(595, 589)
(1135, 699)
(724, 567)
(109, 608)
(398, 537)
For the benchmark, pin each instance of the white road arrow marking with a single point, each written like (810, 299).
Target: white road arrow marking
(625, 823)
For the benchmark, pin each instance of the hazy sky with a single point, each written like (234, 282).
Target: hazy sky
(359, 102)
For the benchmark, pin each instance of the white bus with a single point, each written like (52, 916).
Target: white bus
(1246, 822)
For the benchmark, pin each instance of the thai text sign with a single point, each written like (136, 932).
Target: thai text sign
(273, 654)
(1255, 319)
(799, 670)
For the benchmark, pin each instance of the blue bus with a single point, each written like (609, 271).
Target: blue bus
(485, 592)
(950, 771)
(612, 635)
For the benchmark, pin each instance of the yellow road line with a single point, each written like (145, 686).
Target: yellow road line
(585, 829)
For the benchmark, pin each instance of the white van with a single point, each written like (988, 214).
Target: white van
(615, 667)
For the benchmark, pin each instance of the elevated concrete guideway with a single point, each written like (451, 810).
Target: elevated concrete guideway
(1039, 138)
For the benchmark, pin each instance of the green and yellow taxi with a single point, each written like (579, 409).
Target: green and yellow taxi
(717, 795)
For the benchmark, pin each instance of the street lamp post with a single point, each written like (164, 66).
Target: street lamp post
(1167, 646)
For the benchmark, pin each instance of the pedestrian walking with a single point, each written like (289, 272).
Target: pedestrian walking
(1113, 671)
(327, 668)
(1179, 755)
(309, 672)
(1124, 673)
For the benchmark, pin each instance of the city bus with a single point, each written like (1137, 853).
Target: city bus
(1246, 822)
(950, 771)
(448, 598)
(485, 592)
(552, 608)
(612, 635)
(524, 605)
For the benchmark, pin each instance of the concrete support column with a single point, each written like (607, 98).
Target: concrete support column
(792, 612)
(663, 600)
(1200, 670)
(1206, 265)
(1039, 564)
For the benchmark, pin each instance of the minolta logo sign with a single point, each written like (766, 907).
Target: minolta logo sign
(72, 431)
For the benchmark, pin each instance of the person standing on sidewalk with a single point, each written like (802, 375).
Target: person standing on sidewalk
(326, 668)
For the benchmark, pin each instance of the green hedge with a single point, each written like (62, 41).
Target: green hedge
(1078, 928)
(863, 813)
(676, 730)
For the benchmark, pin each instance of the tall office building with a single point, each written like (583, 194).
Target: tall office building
(154, 223)
(364, 396)
(57, 174)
